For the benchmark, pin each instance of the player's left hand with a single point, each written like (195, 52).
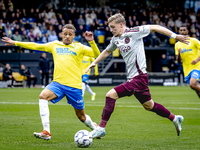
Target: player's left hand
(90, 66)
(89, 36)
(194, 61)
(183, 39)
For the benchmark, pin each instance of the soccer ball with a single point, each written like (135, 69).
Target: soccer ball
(83, 138)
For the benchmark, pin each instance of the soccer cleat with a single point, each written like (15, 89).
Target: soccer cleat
(43, 135)
(177, 123)
(93, 97)
(97, 133)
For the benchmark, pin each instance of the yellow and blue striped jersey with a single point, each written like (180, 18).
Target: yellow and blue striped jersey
(86, 62)
(67, 59)
(189, 53)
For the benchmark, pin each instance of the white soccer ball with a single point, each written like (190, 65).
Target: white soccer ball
(83, 138)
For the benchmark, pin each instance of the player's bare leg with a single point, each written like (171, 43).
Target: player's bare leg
(45, 96)
(85, 118)
(194, 84)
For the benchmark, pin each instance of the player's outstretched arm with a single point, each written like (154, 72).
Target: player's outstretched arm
(167, 32)
(28, 45)
(101, 57)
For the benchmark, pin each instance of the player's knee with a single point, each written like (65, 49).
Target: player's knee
(112, 94)
(148, 105)
(43, 96)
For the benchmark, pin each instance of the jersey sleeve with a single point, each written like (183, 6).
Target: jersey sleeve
(112, 46)
(35, 46)
(143, 31)
(176, 49)
(197, 43)
(92, 51)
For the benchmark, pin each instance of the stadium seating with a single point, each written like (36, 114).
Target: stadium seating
(24, 20)
(101, 39)
(18, 77)
(31, 20)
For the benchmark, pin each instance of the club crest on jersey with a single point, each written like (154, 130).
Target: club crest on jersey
(127, 40)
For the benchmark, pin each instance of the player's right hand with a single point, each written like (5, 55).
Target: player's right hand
(183, 39)
(89, 67)
(8, 41)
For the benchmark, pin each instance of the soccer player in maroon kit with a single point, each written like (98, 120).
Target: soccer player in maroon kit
(129, 41)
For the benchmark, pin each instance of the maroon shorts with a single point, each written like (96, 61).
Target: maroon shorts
(138, 86)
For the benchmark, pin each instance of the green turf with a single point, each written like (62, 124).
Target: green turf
(130, 126)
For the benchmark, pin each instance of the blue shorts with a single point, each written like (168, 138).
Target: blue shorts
(85, 78)
(73, 95)
(193, 74)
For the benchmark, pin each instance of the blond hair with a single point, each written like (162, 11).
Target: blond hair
(69, 26)
(118, 18)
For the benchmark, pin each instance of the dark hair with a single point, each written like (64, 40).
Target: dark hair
(183, 26)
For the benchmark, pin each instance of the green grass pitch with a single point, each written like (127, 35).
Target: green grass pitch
(130, 126)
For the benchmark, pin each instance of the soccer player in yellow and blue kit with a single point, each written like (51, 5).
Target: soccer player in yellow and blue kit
(190, 59)
(85, 77)
(67, 80)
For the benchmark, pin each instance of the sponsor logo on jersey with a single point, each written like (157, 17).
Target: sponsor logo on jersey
(186, 50)
(85, 61)
(65, 51)
(124, 49)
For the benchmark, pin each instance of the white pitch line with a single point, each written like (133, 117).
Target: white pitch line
(93, 105)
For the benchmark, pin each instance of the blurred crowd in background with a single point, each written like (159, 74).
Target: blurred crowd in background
(45, 24)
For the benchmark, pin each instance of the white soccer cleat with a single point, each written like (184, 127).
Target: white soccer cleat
(43, 135)
(93, 97)
(97, 133)
(177, 123)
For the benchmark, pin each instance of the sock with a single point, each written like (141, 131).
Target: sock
(162, 111)
(107, 111)
(89, 89)
(103, 123)
(89, 123)
(44, 114)
(83, 88)
(100, 128)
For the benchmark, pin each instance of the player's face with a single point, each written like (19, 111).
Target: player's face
(116, 28)
(183, 31)
(67, 36)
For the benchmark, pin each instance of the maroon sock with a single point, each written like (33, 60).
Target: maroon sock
(162, 111)
(107, 111)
